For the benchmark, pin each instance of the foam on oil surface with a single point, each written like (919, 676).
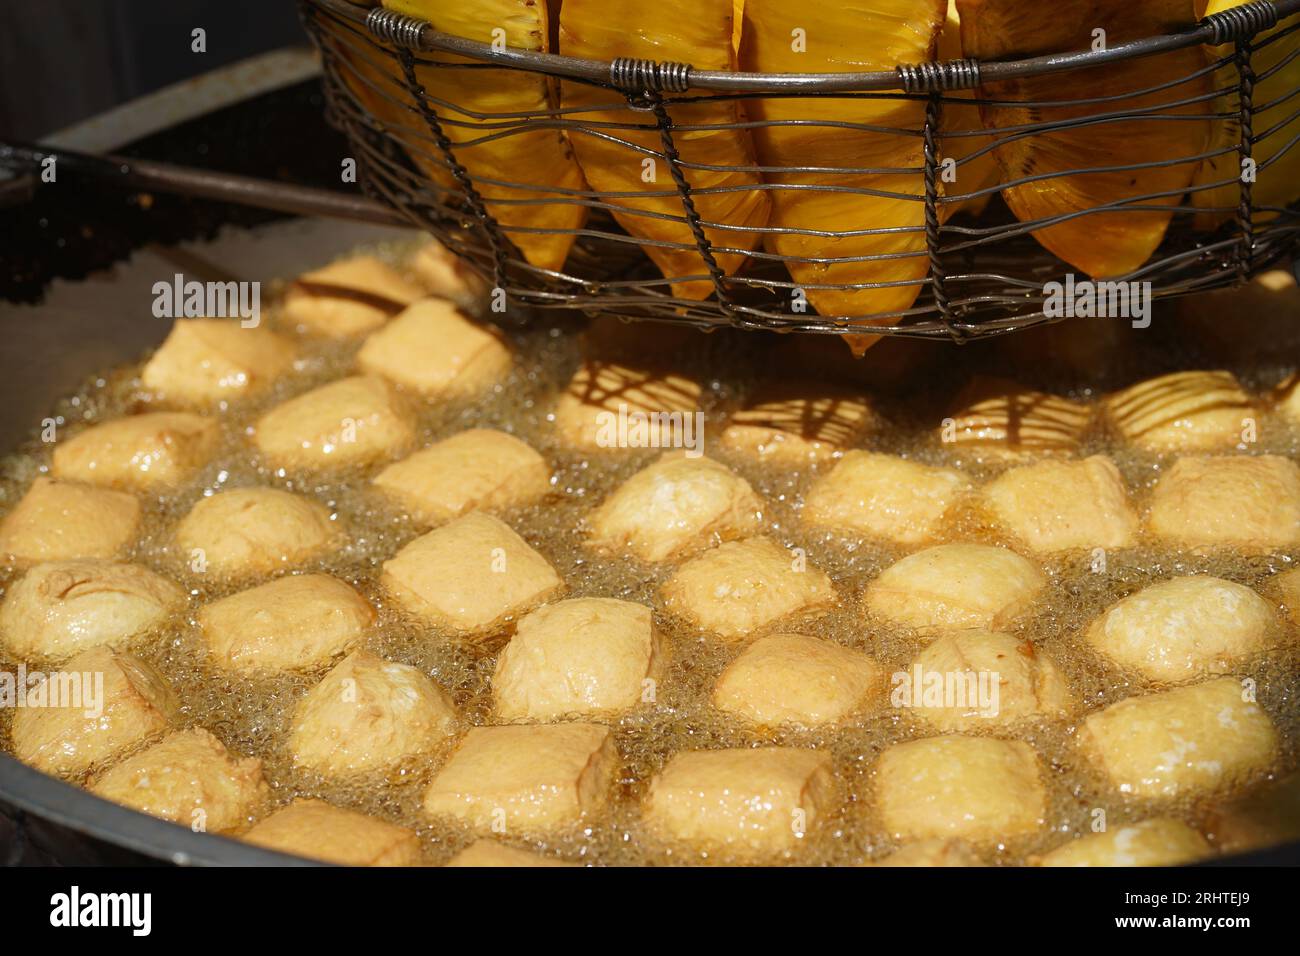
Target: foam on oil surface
(251, 715)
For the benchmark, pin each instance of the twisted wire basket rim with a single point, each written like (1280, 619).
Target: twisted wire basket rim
(992, 302)
(1236, 23)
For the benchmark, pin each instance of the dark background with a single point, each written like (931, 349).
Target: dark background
(62, 61)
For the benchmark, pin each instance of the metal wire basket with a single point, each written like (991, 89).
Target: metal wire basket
(975, 276)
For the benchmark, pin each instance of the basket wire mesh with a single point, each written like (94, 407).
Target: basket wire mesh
(981, 275)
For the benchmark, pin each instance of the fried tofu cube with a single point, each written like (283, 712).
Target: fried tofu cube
(490, 853)
(321, 831)
(437, 351)
(741, 587)
(674, 507)
(1246, 502)
(607, 405)
(348, 298)
(97, 705)
(147, 451)
(369, 714)
(1053, 506)
(1019, 681)
(62, 608)
(796, 679)
(470, 576)
(945, 853)
(588, 656)
(750, 802)
(188, 778)
(798, 423)
(1186, 740)
(525, 778)
(1184, 628)
(254, 531)
(209, 361)
(958, 586)
(293, 623)
(1182, 411)
(976, 788)
(477, 469)
(351, 421)
(61, 520)
(996, 418)
(442, 273)
(1161, 841)
(883, 496)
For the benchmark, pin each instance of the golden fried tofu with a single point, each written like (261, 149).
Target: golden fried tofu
(586, 656)
(476, 469)
(348, 298)
(797, 423)
(369, 714)
(61, 520)
(62, 608)
(1182, 411)
(674, 507)
(976, 788)
(525, 778)
(741, 587)
(321, 831)
(293, 623)
(442, 273)
(997, 418)
(956, 586)
(437, 351)
(147, 451)
(607, 405)
(797, 679)
(1184, 628)
(254, 531)
(1232, 501)
(936, 852)
(470, 576)
(883, 496)
(97, 705)
(188, 778)
(209, 361)
(351, 421)
(1187, 740)
(1160, 841)
(1052, 506)
(491, 853)
(969, 681)
(751, 802)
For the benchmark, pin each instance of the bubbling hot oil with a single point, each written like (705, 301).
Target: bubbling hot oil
(251, 714)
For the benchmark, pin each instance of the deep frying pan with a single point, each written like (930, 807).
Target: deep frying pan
(84, 326)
